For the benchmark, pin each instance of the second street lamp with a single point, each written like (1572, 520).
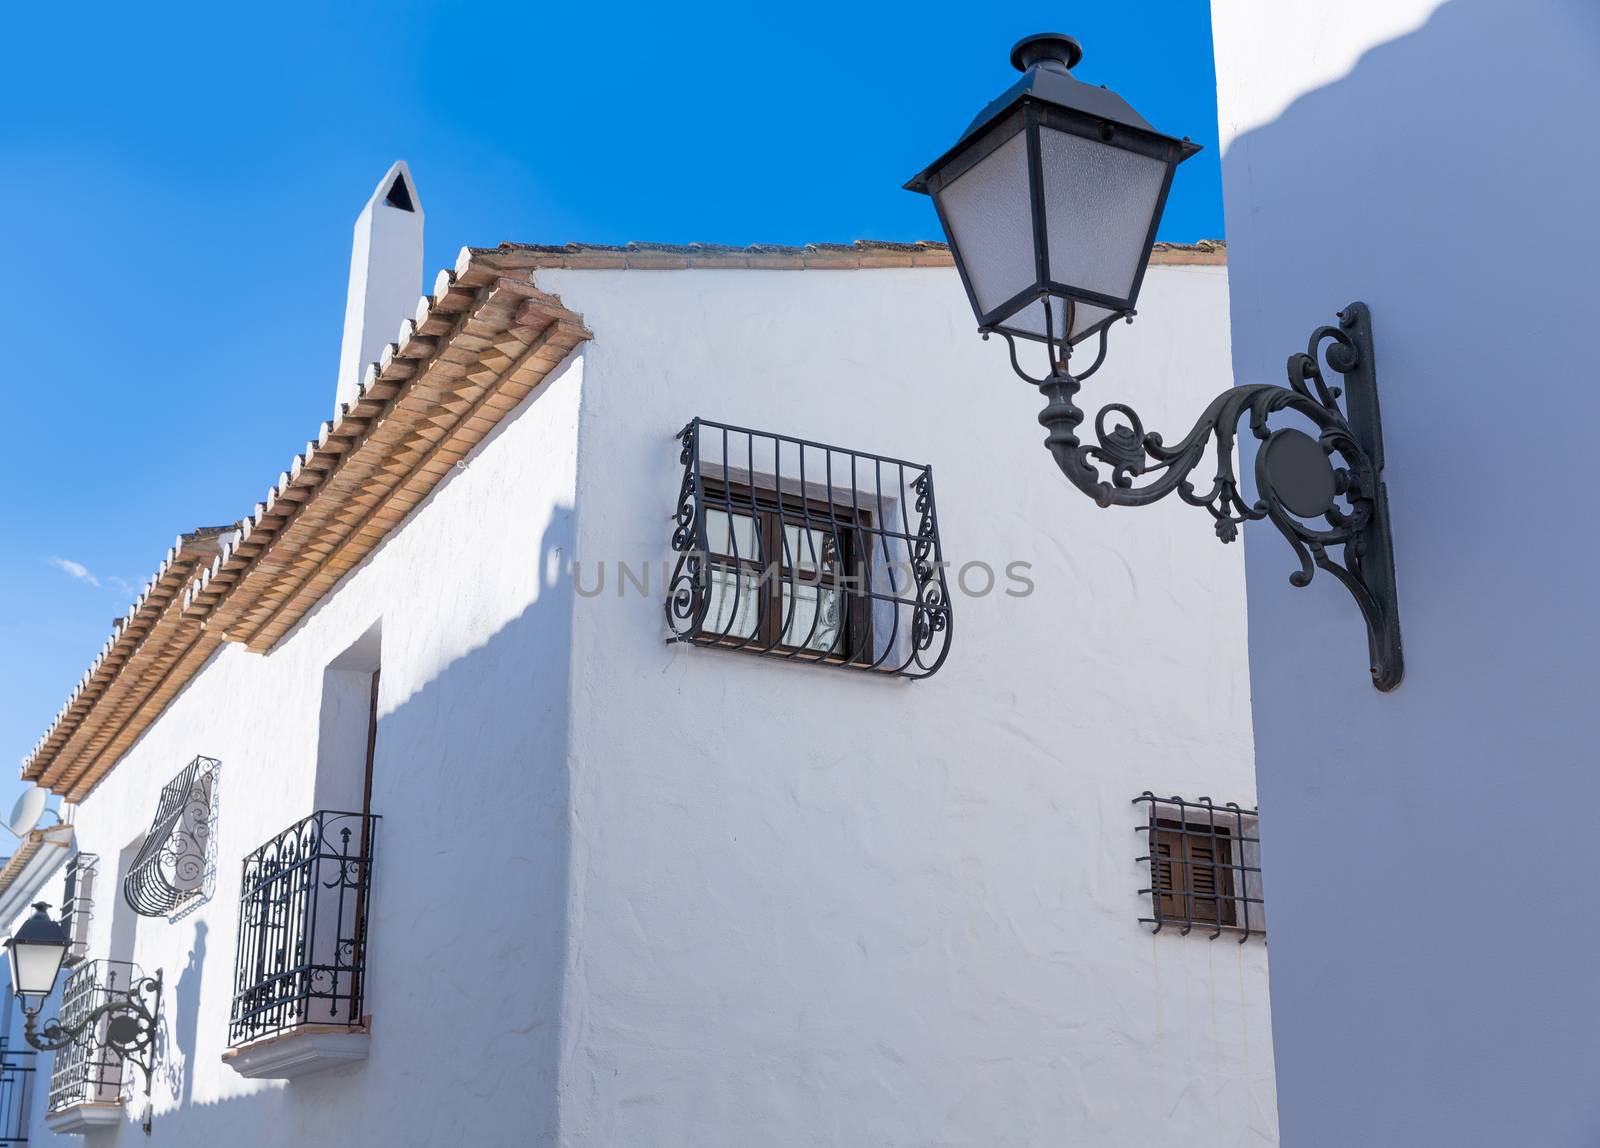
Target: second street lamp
(124, 1023)
(35, 954)
(1050, 202)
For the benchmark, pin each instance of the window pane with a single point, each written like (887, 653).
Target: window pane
(740, 540)
(735, 604)
(813, 628)
(1031, 317)
(807, 549)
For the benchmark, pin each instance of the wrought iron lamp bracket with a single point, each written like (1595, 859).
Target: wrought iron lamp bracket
(129, 1028)
(1296, 476)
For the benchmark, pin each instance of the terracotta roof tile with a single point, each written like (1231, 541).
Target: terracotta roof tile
(861, 254)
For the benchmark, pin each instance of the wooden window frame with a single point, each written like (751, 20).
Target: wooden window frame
(771, 510)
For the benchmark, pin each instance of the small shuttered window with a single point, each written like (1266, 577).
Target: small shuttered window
(1203, 866)
(1191, 872)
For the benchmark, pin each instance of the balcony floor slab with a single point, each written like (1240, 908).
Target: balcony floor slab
(85, 1117)
(299, 1052)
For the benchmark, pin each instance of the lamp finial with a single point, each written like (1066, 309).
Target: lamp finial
(1052, 51)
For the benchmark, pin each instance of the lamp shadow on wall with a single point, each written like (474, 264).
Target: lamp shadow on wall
(176, 1046)
(1448, 175)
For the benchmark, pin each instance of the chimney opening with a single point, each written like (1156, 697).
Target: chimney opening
(399, 195)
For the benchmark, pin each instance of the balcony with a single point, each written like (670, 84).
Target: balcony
(299, 982)
(86, 1076)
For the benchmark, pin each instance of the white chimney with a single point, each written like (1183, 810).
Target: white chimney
(385, 276)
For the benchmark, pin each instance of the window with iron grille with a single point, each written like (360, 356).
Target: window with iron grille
(176, 866)
(77, 904)
(811, 553)
(1204, 866)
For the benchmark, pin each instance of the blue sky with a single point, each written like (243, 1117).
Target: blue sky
(177, 187)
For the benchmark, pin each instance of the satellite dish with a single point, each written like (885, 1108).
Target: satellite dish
(26, 812)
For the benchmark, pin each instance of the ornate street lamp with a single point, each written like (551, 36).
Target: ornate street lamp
(124, 1023)
(1050, 202)
(35, 955)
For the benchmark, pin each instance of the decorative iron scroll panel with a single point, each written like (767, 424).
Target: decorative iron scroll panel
(810, 553)
(16, 1093)
(1204, 864)
(1334, 517)
(303, 928)
(170, 868)
(90, 1070)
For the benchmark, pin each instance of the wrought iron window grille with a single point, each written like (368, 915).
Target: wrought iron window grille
(1204, 866)
(175, 869)
(77, 904)
(811, 553)
(92, 1070)
(303, 928)
(17, 1069)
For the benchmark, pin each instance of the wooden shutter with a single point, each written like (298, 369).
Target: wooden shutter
(1163, 874)
(1191, 872)
(1210, 875)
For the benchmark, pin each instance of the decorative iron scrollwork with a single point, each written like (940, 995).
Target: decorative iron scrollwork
(1295, 476)
(171, 867)
(932, 613)
(811, 553)
(687, 594)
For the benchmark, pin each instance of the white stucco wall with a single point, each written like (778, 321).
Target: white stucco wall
(1433, 975)
(817, 907)
(632, 893)
(469, 877)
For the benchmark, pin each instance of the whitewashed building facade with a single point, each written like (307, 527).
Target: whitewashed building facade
(602, 887)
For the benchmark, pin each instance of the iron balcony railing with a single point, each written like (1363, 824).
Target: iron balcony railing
(87, 1071)
(303, 928)
(16, 1093)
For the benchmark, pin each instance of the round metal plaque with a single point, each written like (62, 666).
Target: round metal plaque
(1300, 472)
(122, 1029)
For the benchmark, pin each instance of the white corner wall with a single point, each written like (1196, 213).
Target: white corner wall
(817, 907)
(466, 937)
(1428, 867)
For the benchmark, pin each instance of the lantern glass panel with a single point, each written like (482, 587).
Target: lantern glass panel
(989, 212)
(34, 967)
(1099, 203)
(1029, 321)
